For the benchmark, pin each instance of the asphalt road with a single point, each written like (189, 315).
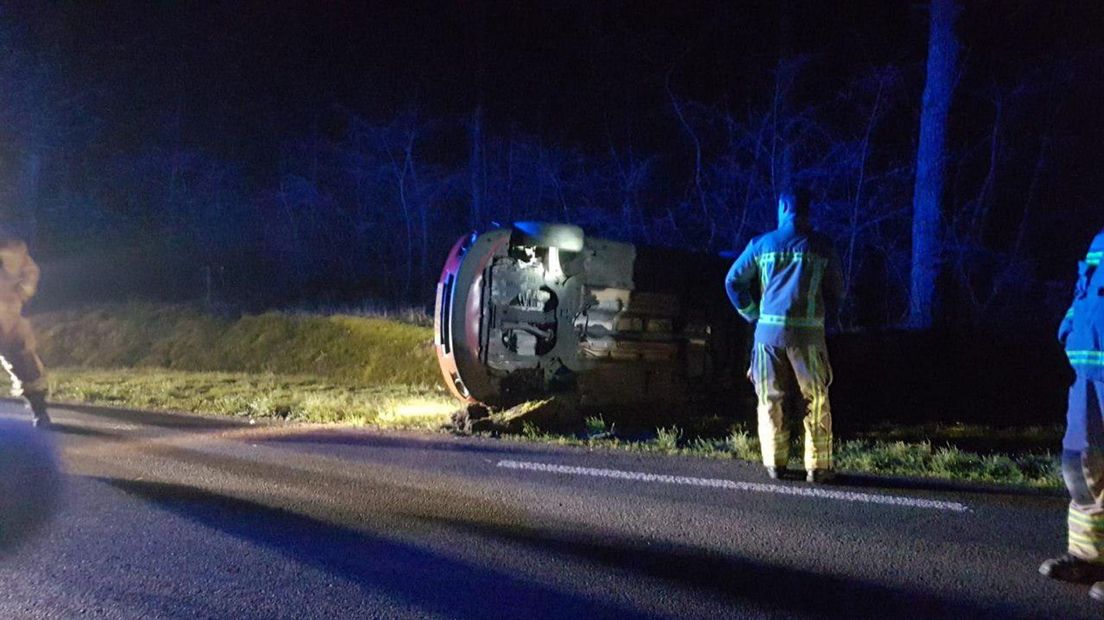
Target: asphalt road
(162, 516)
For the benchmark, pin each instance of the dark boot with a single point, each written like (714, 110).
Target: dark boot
(1069, 568)
(820, 476)
(36, 401)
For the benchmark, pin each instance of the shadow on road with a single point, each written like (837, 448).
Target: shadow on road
(30, 485)
(430, 442)
(465, 590)
(421, 577)
(159, 419)
(775, 590)
(83, 431)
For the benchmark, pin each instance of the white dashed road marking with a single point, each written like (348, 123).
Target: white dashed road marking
(751, 487)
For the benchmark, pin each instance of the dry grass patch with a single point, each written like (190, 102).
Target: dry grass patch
(293, 398)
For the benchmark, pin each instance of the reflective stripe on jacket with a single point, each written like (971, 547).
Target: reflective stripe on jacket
(797, 272)
(1082, 329)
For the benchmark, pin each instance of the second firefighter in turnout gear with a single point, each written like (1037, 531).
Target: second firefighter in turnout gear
(797, 273)
(1082, 334)
(18, 283)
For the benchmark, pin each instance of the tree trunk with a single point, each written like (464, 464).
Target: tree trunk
(930, 164)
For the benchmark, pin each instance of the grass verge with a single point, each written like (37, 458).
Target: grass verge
(288, 397)
(358, 350)
(377, 370)
(310, 399)
(915, 459)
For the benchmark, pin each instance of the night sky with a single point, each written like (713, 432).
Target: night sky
(242, 80)
(566, 68)
(246, 74)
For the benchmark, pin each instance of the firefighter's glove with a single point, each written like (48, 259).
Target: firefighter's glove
(750, 312)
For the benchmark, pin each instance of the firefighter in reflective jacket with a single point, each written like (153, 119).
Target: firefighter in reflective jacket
(18, 282)
(1082, 333)
(797, 272)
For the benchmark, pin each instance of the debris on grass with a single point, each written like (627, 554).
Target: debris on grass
(559, 413)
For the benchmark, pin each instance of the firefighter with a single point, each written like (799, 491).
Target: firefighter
(1082, 334)
(796, 272)
(18, 282)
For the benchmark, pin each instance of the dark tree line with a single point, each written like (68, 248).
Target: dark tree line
(362, 208)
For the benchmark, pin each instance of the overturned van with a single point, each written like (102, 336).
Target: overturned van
(541, 309)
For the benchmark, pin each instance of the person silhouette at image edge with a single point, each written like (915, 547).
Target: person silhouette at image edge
(1082, 335)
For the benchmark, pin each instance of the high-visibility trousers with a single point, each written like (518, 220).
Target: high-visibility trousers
(777, 373)
(19, 358)
(1083, 469)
